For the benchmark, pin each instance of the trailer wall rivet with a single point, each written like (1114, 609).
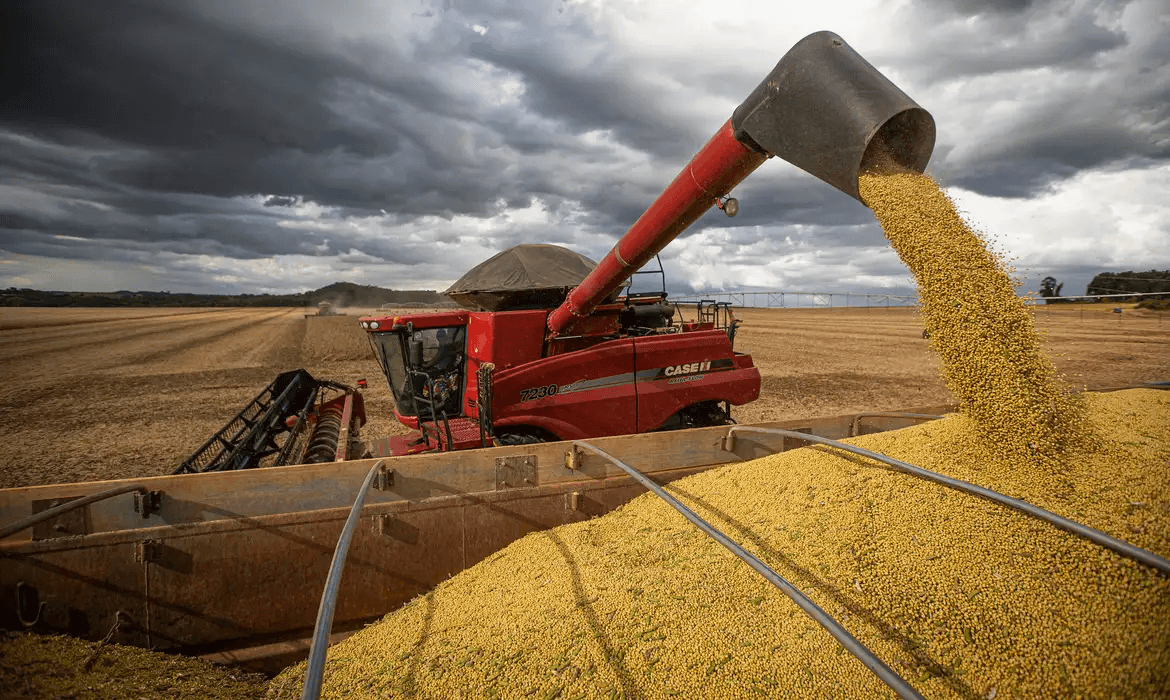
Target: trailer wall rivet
(573, 458)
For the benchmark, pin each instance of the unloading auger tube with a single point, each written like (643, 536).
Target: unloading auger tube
(823, 108)
(1121, 547)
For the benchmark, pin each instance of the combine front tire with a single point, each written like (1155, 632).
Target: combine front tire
(701, 415)
(525, 436)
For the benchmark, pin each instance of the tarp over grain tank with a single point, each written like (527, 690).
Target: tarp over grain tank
(529, 276)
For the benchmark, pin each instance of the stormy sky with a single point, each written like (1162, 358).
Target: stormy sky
(247, 146)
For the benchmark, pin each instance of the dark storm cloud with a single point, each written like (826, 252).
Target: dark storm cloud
(209, 127)
(221, 108)
(225, 110)
(586, 98)
(98, 223)
(1105, 99)
(164, 77)
(1015, 42)
(979, 7)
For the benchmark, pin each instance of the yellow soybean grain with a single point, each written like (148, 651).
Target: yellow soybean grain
(960, 596)
(984, 335)
(44, 666)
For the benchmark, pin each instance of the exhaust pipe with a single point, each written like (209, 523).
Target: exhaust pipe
(823, 108)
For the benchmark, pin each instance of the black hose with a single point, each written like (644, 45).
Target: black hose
(859, 650)
(1125, 549)
(66, 507)
(315, 668)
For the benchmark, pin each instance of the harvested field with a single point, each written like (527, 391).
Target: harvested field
(824, 362)
(94, 394)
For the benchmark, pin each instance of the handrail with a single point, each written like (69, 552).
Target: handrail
(1125, 549)
(886, 674)
(856, 424)
(76, 503)
(315, 668)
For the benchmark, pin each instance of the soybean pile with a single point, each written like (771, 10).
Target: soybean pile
(41, 666)
(962, 597)
(983, 333)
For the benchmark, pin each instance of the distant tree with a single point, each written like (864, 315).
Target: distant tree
(1151, 282)
(1049, 287)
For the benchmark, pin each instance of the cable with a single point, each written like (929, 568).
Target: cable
(1125, 549)
(859, 650)
(315, 668)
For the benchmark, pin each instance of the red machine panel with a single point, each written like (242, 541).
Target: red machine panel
(573, 396)
(506, 338)
(682, 369)
(427, 320)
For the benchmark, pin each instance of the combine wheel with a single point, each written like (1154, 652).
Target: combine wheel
(525, 436)
(701, 415)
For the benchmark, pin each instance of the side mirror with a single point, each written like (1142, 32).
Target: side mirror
(416, 353)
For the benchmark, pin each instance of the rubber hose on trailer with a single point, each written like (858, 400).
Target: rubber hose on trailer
(318, 648)
(323, 445)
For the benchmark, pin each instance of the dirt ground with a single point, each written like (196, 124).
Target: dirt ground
(91, 394)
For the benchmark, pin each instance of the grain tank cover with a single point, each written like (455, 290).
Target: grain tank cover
(530, 276)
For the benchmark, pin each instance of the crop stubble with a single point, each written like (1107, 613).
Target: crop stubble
(95, 394)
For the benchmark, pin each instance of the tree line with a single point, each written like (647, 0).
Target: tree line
(1105, 283)
(339, 294)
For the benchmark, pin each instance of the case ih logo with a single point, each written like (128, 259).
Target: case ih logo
(695, 368)
(687, 369)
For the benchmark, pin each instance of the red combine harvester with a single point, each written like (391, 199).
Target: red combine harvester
(546, 351)
(501, 376)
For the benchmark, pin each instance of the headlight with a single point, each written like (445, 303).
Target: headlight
(373, 325)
